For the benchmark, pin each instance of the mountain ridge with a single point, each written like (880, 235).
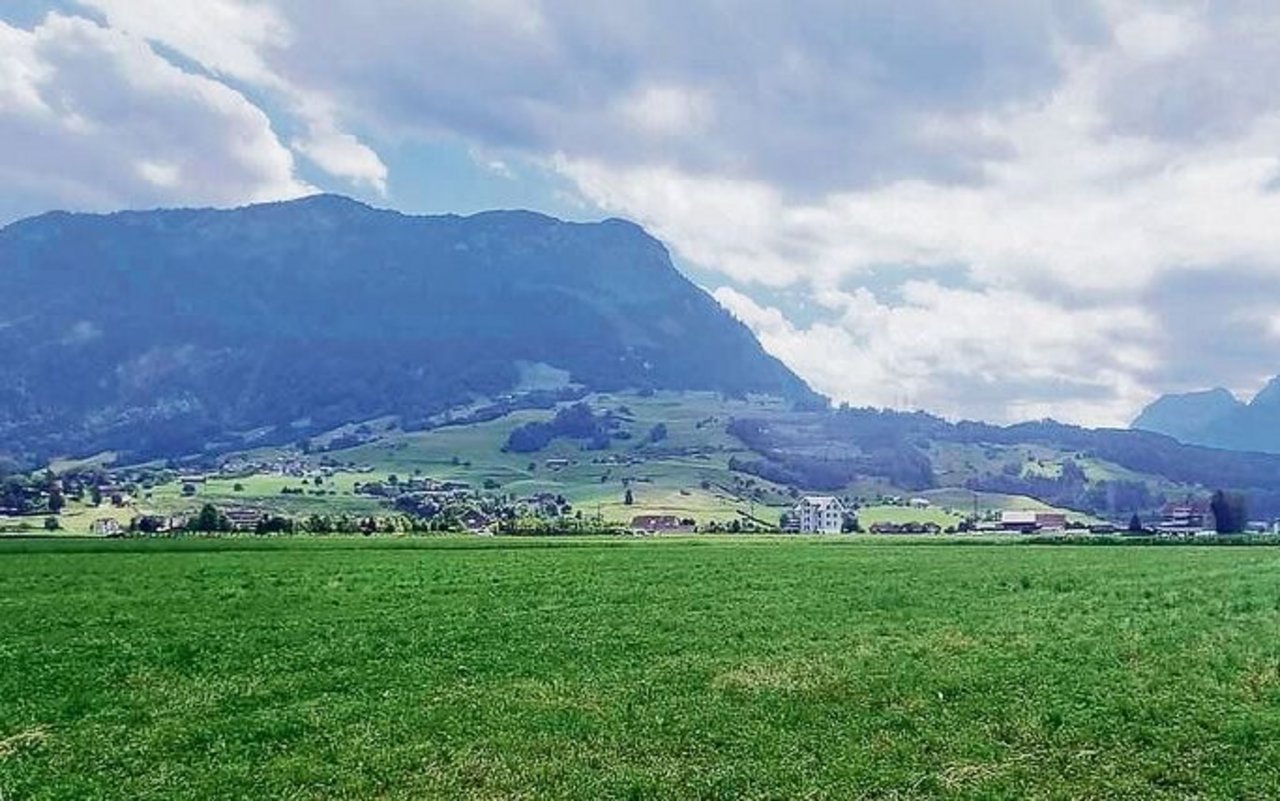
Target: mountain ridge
(1217, 418)
(157, 332)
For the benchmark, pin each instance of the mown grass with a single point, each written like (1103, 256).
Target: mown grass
(716, 668)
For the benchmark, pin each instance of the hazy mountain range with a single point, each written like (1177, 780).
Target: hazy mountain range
(1218, 419)
(160, 332)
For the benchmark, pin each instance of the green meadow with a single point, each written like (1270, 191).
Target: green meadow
(682, 668)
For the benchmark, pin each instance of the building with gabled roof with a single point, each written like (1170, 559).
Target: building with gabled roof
(819, 514)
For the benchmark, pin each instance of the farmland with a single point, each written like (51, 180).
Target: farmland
(709, 667)
(687, 473)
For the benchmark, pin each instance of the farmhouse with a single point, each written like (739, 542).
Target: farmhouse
(1026, 520)
(242, 519)
(1190, 517)
(151, 524)
(654, 524)
(819, 514)
(106, 527)
(476, 522)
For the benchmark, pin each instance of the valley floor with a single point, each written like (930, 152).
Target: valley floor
(715, 668)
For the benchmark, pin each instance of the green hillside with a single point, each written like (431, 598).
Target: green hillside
(686, 474)
(673, 453)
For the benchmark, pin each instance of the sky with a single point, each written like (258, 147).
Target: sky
(995, 209)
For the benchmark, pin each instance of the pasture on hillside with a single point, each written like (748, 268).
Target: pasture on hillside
(660, 668)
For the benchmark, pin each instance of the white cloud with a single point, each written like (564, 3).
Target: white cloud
(1156, 35)
(236, 40)
(93, 118)
(160, 174)
(668, 111)
(227, 37)
(992, 354)
(339, 153)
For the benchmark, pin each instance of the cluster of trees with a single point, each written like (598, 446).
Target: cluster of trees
(577, 422)
(1071, 489)
(32, 495)
(883, 455)
(1230, 512)
(212, 520)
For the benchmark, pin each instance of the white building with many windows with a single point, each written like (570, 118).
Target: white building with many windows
(819, 514)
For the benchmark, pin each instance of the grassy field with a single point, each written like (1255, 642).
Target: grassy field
(264, 492)
(716, 668)
(870, 515)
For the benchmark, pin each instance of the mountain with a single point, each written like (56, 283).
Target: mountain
(1217, 419)
(1187, 416)
(157, 333)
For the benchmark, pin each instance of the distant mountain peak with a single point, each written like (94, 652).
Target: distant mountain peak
(1268, 396)
(1217, 418)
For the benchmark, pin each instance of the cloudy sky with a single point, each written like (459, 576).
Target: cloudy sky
(1002, 209)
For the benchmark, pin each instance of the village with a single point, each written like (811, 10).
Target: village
(420, 503)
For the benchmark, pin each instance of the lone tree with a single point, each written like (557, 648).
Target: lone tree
(1230, 512)
(1135, 524)
(628, 498)
(209, 520)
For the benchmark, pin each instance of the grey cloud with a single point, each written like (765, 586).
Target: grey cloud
(1213, 329)
(809, 96)
(1216, 85)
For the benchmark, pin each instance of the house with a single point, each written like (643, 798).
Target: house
(1051, 521)
(921, 503)
(476, 522)
(659, 524)
(106, 527)
(1026, 520)
(154, 524)
(1188, 517)
(819, 514)
(242, 519)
